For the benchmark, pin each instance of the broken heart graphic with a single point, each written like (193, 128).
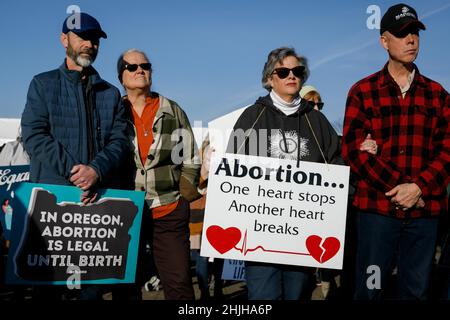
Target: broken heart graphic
(223, 240)
(322, 251)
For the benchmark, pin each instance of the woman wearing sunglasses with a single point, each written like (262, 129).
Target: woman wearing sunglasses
(165, 168)
(310, 93)
(283, 123)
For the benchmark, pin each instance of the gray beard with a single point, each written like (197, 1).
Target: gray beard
(80, 61)
(83, 62)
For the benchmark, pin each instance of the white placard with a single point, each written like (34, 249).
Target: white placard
(268, 210)
(220, 130)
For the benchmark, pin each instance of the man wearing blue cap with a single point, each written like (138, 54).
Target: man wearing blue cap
(73, 125)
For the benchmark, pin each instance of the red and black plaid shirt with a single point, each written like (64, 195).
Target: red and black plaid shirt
(413, 138)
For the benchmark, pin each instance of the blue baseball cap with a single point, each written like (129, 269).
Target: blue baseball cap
(83, 23)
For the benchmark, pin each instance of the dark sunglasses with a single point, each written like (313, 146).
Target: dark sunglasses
(284, 72)
(133, 67)
(319, 105)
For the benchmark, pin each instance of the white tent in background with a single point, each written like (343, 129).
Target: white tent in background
(9, 129)
(220, 129)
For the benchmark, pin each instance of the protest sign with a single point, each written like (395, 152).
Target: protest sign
(10, 178)
(55, 238)
(270, 210)
(220, 129)
(233, 270)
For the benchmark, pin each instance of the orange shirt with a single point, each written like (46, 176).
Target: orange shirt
(144, 126)
(164, 210)
(144, 132)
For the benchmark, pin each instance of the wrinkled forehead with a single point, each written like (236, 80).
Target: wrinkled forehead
(135, 57)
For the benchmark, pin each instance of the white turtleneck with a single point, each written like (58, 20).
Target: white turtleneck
(287, 108)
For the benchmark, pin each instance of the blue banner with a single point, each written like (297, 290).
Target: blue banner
(57, 240)
(233, 270)
(10, 178)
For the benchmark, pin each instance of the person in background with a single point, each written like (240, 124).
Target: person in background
(311, 138)
(166, 167)
(203, 267)
(326, 278)
(309, 93)
(401, 188)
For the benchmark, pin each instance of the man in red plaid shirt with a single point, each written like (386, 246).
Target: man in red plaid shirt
(401, 188)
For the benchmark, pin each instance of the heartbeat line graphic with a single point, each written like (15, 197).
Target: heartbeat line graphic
(244, 250)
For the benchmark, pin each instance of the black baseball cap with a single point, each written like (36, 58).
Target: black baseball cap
(398, 17)
(82, 23)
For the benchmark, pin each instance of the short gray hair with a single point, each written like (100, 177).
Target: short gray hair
(277, 56)
(121, 62)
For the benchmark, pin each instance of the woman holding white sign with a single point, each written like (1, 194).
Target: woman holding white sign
(283, 125)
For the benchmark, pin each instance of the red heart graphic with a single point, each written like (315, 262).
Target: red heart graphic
(324, 252)
(223, 240)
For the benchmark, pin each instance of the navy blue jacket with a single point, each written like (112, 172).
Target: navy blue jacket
(54, 128)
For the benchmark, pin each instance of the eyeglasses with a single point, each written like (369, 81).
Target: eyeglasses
(133, 67)
(319, 105)
(284, 72)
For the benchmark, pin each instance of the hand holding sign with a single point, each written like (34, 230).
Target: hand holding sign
(89, 196)
(206, 162)
(83, 176)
